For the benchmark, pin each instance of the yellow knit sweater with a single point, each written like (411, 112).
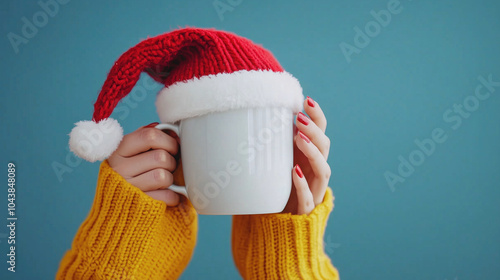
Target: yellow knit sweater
(129, 235)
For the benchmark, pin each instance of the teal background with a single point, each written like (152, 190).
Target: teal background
(440, 223)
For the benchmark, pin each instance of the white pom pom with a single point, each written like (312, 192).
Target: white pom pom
(95, 141)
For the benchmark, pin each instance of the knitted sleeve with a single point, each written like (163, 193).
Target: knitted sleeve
(129, 235)
(283, 246)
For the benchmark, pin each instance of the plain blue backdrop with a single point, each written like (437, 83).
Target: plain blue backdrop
(441, 222)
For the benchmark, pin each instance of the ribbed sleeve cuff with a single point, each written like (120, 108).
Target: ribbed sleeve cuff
(129, 235)
(283, 246)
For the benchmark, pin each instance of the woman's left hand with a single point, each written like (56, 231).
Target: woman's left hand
(311, 172)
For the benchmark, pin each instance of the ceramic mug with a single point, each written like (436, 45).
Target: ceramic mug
(237, 161)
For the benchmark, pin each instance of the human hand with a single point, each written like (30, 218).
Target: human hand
(146, 159)
(311, 172)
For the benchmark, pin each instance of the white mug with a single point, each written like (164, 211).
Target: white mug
(238, 161)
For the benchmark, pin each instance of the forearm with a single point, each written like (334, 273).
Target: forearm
(129, 235)
(283, 246)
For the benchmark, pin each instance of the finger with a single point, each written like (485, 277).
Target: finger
(319, 166)
(305, 198)
(169, 197)
(144, 139)
(153, 180)
(317, 136)
(133, 166)
(315, 113)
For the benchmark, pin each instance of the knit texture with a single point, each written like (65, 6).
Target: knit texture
(129, 235)
(179, 56)
(283, 246)
(203, 71)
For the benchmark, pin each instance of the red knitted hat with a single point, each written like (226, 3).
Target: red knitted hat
(203, 70)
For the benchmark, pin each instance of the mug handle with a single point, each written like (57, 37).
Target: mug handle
(175, 128)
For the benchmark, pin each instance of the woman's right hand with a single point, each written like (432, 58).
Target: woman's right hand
(146, 159)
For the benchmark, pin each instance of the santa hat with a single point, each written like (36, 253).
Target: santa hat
(203, 71)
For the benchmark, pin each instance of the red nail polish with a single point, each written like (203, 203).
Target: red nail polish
(299, 171)
(152, 124)
(302, 118)
(310, 102)
(303, 136)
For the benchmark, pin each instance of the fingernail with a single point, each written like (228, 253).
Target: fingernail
(152, 124)
(302, 118)
(303, 136)
(310, 101)
(299, 171)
